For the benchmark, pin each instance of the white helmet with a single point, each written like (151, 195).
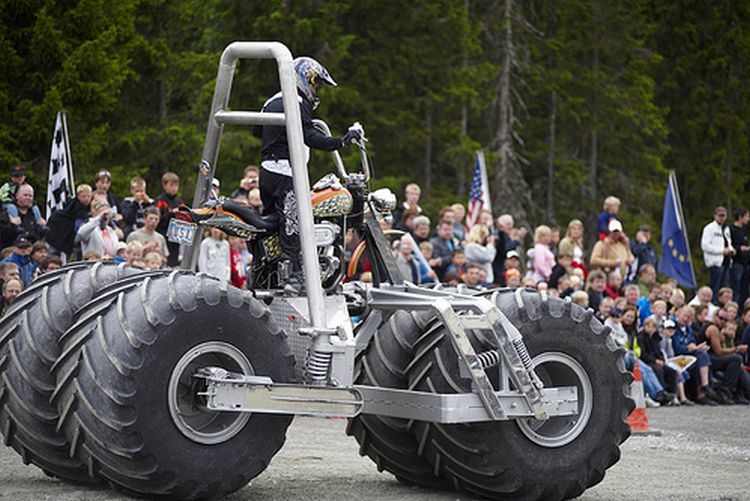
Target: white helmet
(311, 74)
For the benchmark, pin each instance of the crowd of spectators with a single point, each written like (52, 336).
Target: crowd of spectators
(99, 225)
(615, 277)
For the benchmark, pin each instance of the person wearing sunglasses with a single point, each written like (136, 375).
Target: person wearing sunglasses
(726, 359)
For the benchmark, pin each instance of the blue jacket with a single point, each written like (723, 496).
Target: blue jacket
(25, 267)
(682, 337)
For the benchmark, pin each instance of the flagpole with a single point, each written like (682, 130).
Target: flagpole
(681, 216)
(72, 184)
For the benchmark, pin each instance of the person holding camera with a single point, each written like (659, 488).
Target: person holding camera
(613, 252)
(99, 234)
(249, 182)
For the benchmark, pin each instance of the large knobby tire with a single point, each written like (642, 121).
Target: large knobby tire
(29, 334)
(128, 402)
(388, 441)
(528, 459)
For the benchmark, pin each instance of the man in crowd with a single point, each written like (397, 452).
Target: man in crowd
(443, 245)
(716, 243)
(148, 236)
(704, 296)
(11, 289)
(28, 221)
(740, 271)
(685, 343)
(646, 279)
(407, 263)
(612, 252)
(726, 359)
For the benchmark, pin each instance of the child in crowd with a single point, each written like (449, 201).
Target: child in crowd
(52, 263)
(121, 255)
(580, 298)
(134, 253)
(134, 206)
(167, 203)
(237, 251)
(512, 278)
(215, 257)
(544, 260)
(605, 308)
(154, 261)
(561, 267)
(253, 198)
(659, 312)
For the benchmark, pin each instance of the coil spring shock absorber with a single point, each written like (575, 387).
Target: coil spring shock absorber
(489, 359)
(523, 354)
(318, 363)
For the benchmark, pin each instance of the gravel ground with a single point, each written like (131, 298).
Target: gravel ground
(703, 454)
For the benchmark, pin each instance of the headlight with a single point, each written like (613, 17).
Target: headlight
(384, 199)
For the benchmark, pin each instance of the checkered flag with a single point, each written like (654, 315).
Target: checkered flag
(60, 186)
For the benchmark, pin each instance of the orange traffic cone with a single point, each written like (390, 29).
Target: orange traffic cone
(637, 419)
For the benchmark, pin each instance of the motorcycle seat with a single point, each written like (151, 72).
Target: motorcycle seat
(267, 222)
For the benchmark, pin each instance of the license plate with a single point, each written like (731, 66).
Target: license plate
(181, 232)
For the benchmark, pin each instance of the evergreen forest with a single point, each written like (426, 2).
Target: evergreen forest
(571, 100)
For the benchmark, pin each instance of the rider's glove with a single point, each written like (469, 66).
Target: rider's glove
(351, 136)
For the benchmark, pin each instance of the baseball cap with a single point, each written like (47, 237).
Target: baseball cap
(22, 242)
(644, 227)
(669, 324)
(615, 225)
(616, 312)
(511, 254)
(17, 171)
(216, 183)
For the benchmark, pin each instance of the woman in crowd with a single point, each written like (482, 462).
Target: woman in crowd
(572, 244)
(480, 249)
(98, 234)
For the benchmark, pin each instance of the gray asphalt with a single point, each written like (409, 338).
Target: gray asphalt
(703, 454)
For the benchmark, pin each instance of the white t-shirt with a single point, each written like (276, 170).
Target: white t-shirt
(215, 258)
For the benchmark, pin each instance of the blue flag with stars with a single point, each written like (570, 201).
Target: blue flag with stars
(675, 259)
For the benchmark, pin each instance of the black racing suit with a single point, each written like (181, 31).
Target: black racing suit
(276, 188)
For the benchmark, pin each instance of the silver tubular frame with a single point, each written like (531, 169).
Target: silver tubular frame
(293, 122)
(330, 388)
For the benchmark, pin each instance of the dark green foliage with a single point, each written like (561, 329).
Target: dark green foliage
(656, 85)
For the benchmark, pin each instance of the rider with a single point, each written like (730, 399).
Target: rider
(276, 189)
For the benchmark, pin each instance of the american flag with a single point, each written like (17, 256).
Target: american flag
(479, 194)
(60, 186)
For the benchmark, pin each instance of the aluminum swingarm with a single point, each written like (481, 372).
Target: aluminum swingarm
(232, 392)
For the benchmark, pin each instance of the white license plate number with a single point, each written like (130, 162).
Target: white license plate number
(181, 232)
